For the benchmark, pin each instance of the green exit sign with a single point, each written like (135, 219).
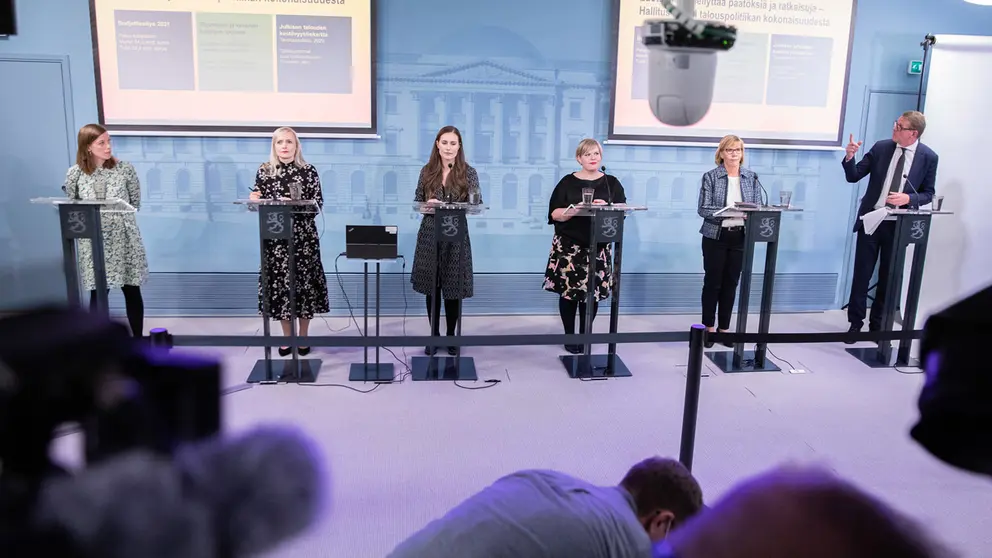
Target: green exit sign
(915, 67)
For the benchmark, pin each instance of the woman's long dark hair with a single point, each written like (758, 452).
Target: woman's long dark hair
(457, 186)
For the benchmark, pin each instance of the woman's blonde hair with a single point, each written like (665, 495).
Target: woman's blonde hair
(274, 161)
(587, 145)
(725, 143)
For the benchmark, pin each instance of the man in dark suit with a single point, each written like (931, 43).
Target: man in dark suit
(903, 172)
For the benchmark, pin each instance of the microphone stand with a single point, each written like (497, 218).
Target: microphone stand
(915, 191)
(609, 189)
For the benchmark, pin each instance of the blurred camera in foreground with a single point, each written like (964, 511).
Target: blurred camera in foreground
(955, 423)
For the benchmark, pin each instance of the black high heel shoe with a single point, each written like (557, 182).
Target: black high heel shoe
(285, 351)
(303, 351)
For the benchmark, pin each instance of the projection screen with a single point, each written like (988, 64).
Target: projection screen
(235, 67)
(783, 83)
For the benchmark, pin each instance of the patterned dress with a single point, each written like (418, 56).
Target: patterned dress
(567, 272)
(311, 283)
(455, 270)
(124, 252)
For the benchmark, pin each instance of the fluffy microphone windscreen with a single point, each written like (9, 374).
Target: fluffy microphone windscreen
(132, 505)
(264, 487)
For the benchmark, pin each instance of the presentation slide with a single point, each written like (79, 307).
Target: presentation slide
(783, 83)
(235, 66)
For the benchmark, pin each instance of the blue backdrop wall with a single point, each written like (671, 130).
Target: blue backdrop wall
(523, 90)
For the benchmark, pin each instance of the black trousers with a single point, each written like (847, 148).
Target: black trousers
(723, 259)
(866, 252)
(134, 304)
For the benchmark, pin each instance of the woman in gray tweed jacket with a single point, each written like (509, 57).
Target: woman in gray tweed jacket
(723, 238)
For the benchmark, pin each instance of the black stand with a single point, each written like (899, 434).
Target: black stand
(693, 379)
(81, 221)
(911, 228)
(275, 222)
(761, 226)
(372, 371)
(605, 226)
(450, 226)
(928, 42)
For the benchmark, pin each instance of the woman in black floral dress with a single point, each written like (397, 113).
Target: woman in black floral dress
(286, 166)
(445, 177)
(568, 264)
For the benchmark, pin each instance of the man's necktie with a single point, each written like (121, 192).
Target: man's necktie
(897, 175)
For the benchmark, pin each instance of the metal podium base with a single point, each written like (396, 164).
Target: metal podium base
(283, 371)
(372, 372)
(872, 358)
(443, 368)
(594, 366)
(724, 360)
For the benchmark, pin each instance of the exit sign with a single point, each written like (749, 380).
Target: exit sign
(915, 67)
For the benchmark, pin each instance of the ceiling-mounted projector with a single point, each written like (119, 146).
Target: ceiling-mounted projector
(682, 65)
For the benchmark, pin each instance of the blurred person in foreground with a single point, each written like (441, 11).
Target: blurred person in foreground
(799, 512)
(551, 514)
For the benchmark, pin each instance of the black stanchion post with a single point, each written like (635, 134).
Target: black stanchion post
(690, 410)
(159, 338)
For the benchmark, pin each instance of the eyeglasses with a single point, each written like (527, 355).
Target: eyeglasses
(899, 128)
(734, 150)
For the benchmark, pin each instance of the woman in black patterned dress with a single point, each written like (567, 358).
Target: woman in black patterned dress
(568, 265)
(286, 166)
(445, 177)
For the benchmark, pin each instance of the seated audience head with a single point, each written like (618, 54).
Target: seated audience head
(803, 512)
(286, 148)
(730, 152)
(908, 128)
(665, 494)
(93, 149)
(589, 155)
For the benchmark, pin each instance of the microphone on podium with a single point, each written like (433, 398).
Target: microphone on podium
(762, 186)
(609, 189)
(444, 190)
(216, 499)
(915, 191)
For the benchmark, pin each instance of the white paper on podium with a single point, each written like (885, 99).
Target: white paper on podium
(873, 219)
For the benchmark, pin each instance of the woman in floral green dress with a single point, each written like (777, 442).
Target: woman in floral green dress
(98, 173)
